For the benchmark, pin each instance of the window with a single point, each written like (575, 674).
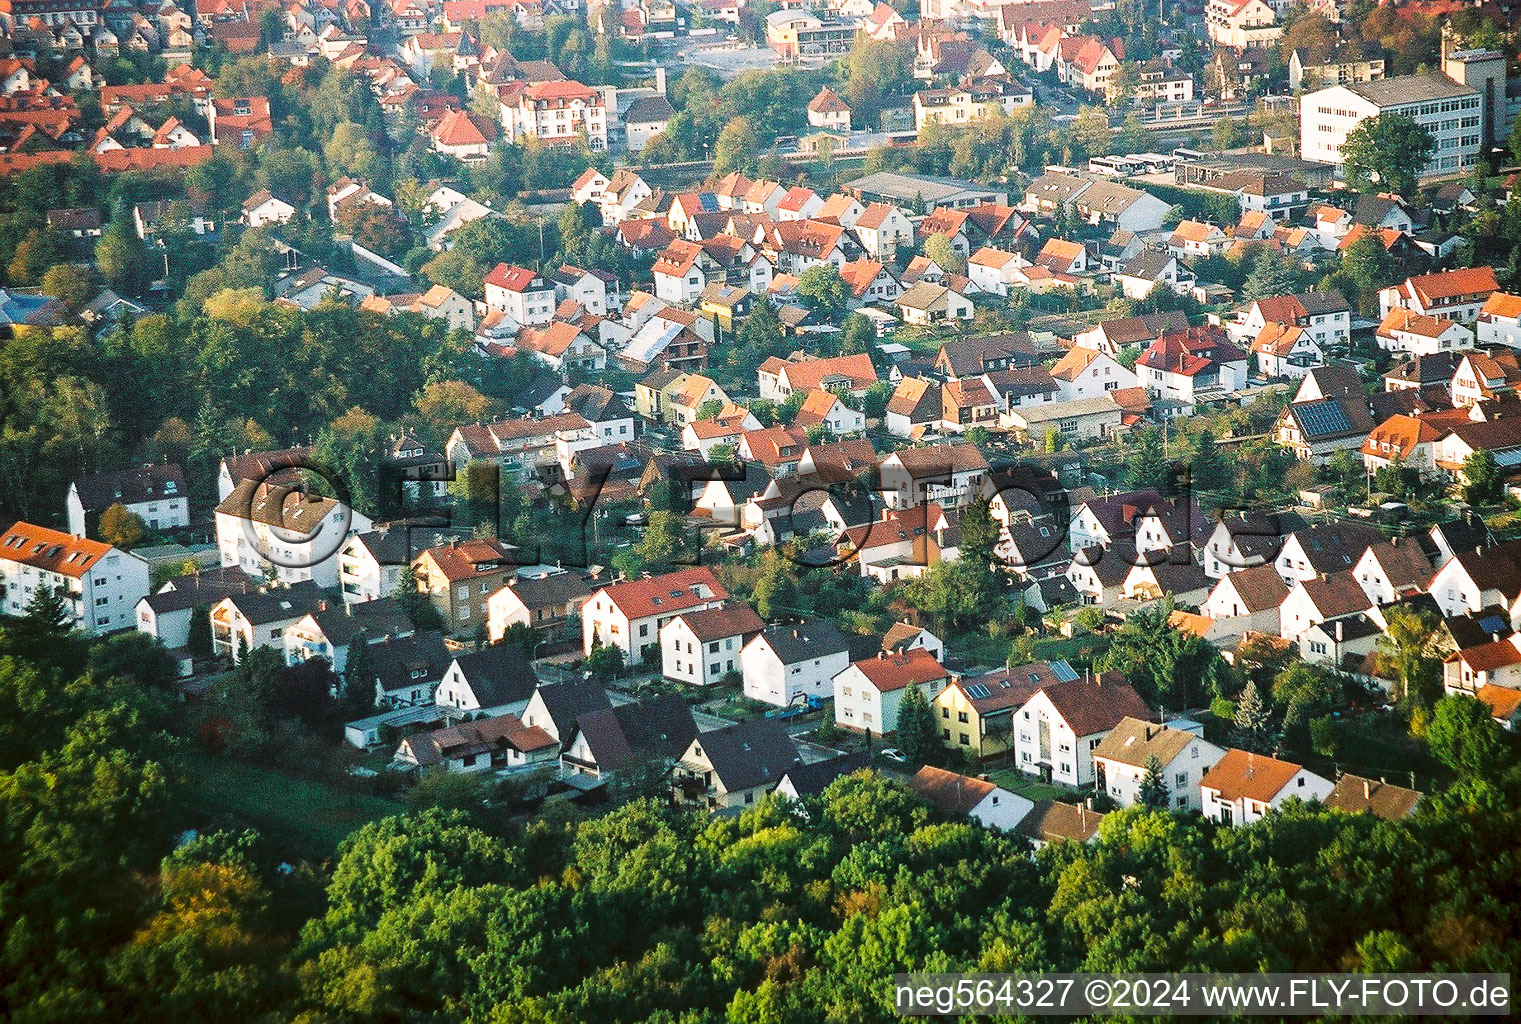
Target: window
(1181, 779)
(966, 741)
(947, 734)
(961, 716)
(644, 630)
(945, 713)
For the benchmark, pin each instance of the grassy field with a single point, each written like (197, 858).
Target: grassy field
(301, 817)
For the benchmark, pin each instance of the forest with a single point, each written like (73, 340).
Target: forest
(789, 913)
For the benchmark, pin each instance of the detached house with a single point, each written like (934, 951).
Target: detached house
(734, 766)
(700, 648)
(1457, 295)
(869, 692)
(1243, 787)
(788, 663)
(1179, 748)
(629, 615)
(155, 494)
(1059, 727)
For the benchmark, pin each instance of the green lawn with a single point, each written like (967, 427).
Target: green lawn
(301, 817)
(1022, 784)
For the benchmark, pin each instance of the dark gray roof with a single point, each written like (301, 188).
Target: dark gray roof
(1147, 266)
(397, 658)
(749, 754)
(499, 674)
(815, 639)
(553, 590)
(1335, 547)
(384, 617)
(661, 727)
(648, 109)
(129, 486)
(274, 604)
(813, 779)
(567, 701)
(202, 588)
(400, 542)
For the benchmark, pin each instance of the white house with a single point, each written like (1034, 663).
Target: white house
(155, 494)
(868, 693)
(1057, 730)
(1500, 320)
(496, 680)
(699, 648)
(267, 528)
(1457, 295)
(975, 798)
(263, 208)
(629, 615)
(526, 297)
(1180, 749)
(1248, 598)
(1243, 787)
(786, 663)
(100, 585)
(1088, 373)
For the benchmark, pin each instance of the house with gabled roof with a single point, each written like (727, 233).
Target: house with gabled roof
(948, 474)
(868, 693)
(629, 615)
(1390, 570)
(1179, 747)
(700, 648)
(1323, 549)
(458, 577)
(961, 796)
(332, 631)
(1354, 794)
(786, 663)
(734, 766)
(1457, 295)
(245, 621)
(1063, 722)
(1407, 331)
(977, 713)
(656, 730)
(1316, 430)
(1244, 786)
(1473, 580)
(1249, 598)
(100, 585)
(1320, 599)
(490, 744)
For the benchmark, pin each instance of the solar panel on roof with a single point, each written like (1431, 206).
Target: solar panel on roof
(977, 691)
(1063, 671)
(1322, 418)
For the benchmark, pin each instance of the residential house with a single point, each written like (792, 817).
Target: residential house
(490, 744)
(701, 648)
(1179, 748)
(656, 731)
(977, 713)
(961, 796)
(1457, 295)
(167, 612)
(248, 620)
(1354, 794)
(787, 663)
(629, 615)
(734, 766)
(1243, 787)
(1059, 727)
(949, 474)
(331, 632)
(868, 693)
(527, 298)
(1405, 331)
(1089, 373)
(265, 527)
(100, 585)
(546, 603)
(408, 669)
(155, 494)
(1249, 599)
(460, 576)
(1321, 599)
(495, 680)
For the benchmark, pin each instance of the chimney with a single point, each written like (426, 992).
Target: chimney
(1367, 790)
(881, 655)
(660, 81)
(1338, 631)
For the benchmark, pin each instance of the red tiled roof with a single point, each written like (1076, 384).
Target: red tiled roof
(889, 672)
(669, 594)
(50, 550)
